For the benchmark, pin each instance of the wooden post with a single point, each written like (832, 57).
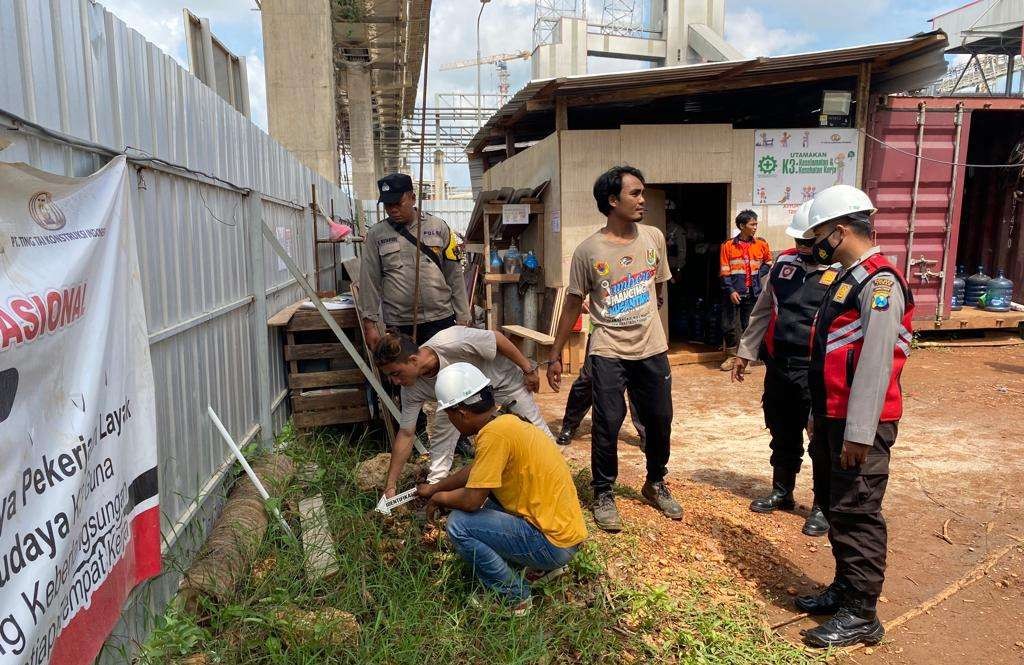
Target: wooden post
(334, 256)
(510, 144)
(863, 94)
(561, 113)
(316, 246)
(488, 304)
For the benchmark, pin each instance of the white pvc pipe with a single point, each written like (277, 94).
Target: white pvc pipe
(248, 470)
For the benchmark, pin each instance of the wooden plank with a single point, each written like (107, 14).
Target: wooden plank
(281, 318)
(526, 333)
(385, 413)
(317, 543)
(561, 113)
(314, 351)
(341, 377)
(307, 419)
(346, 397)
(972, 318)
(293, 366)
(488, 292)
(310, 319)
(499, 278)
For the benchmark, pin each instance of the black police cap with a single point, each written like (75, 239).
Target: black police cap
(392, 186)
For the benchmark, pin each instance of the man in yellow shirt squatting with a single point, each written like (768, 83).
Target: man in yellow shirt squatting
(516, 504)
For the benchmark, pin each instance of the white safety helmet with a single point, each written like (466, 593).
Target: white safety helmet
(801, 219)
(456, 382)
(835, 202)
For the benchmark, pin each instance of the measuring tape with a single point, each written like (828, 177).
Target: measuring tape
(386, 505)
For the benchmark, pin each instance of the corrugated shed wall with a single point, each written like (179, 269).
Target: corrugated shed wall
(72, 67)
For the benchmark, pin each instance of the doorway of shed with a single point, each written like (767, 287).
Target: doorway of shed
(695, 220)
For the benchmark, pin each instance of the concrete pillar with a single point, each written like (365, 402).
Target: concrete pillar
(360, 130)
(676, 20)
(301, 112)
(566, 55)
(439, 192)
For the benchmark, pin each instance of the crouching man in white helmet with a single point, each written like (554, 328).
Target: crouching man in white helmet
(516, 504)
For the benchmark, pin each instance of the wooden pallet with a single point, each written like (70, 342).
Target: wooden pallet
(326, 387)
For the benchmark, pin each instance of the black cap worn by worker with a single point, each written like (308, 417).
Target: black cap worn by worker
(392, 186)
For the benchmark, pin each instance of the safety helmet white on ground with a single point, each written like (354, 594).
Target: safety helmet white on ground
(801, 218)
(456, 382)
(835, 202)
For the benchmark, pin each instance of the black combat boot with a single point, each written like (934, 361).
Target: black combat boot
(828, 601)
(816, 524)
(855, 622)
(781, 498)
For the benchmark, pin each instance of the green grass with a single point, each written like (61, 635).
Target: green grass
(410, 600)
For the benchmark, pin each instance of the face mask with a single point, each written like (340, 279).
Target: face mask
(824, 251)
(807, 255)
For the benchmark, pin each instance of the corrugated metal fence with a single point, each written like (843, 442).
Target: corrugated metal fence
(454, 211)
(73, 68)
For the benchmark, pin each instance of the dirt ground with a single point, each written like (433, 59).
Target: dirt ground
(957, 470)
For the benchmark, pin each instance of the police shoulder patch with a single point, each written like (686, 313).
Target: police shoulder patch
(842, 292)
(828, 277)
(880, 300)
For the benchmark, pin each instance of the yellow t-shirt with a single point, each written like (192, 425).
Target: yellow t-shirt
(529, 477)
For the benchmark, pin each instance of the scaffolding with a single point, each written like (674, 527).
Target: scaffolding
(548, 13)
(622, 17)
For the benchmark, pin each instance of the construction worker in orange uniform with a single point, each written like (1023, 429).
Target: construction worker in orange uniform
(780, 333)
(745, 261)
(859, 343)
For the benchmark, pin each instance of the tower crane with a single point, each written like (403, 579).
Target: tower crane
(498, 60)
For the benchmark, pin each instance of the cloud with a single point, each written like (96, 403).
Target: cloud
(159, 23)
(257, 89)
(746, 30)
(231, 21)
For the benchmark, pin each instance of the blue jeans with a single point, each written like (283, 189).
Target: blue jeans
(489, 538)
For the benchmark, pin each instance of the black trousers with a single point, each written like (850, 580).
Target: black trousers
(735, 318)
(427, 329)
(581, 398)
(854, 507)
(649, 382)
(787, 404)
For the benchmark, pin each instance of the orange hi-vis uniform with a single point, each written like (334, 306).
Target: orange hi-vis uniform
(744, 265)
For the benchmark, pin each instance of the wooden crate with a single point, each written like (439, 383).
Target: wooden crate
(325, 385)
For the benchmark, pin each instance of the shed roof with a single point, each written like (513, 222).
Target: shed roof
(900, 65)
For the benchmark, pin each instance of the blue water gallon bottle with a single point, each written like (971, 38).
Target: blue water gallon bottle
(959, 289)
(977, 285)
(531, 261)
(999, 293)
(495, 262)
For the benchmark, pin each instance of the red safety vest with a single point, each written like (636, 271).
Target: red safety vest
(797, 292)
(837, 338)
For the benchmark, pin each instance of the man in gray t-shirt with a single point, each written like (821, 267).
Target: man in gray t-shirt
(622, 269)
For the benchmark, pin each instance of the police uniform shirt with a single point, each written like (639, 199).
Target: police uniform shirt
(881, 305)
(388, 274)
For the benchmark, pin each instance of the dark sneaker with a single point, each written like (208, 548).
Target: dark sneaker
(539, 577)
(606, 513)
(846, 628)
(815, 524)
(565, 436)
(659, 496)
(827, 602)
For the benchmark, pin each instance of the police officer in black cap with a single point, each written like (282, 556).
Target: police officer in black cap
(388, 269)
